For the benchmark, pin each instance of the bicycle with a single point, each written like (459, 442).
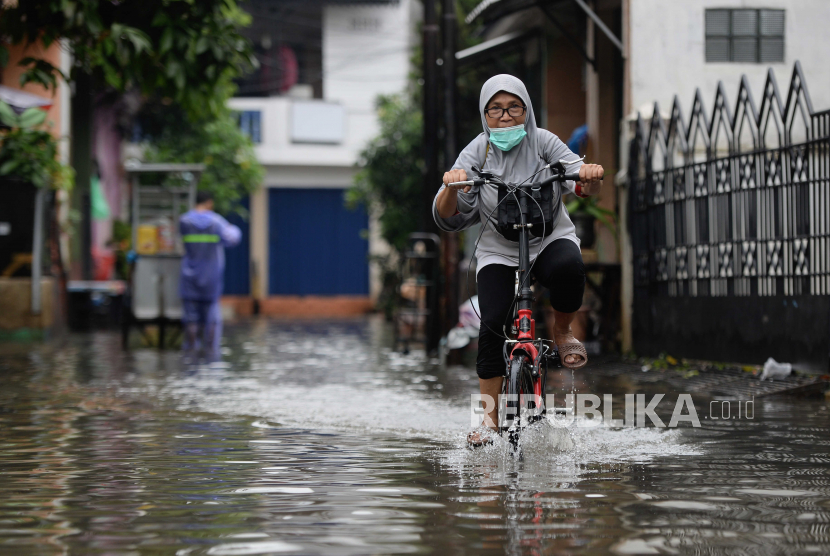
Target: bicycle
(521, 403)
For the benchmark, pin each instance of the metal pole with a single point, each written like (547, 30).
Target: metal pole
(37, 251)
(430, 108)
(431, 178)
(589, 11)
(450, 240)
(450, 40)
(82, 163)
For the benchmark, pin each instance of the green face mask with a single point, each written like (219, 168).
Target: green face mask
(505, 138)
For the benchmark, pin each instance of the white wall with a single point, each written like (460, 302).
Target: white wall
(668, 56)
(277, 149)
(366, 51)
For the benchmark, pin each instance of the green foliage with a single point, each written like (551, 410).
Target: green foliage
(390, 182)
(29, 153)
(391, 179)
(467, 35)
(590, 206)
(232, 170)
(177, 49)
(122, 238)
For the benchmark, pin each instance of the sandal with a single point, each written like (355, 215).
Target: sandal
(573, 349)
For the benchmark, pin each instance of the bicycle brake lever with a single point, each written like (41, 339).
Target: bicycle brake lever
(563, 161)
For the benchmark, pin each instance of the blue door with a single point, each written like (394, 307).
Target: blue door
(316, 245)
(238, 259)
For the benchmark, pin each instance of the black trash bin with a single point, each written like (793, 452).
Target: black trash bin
(94, 305)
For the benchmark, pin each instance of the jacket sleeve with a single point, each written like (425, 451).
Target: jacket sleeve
(468, 208)
(229, 234)
(555, 150)
(466, 216)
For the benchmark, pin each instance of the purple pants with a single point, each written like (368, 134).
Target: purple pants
(202, 322)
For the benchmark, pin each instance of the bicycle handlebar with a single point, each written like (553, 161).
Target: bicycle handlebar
(574, 176)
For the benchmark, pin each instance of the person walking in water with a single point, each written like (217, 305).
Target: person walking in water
(205, 235)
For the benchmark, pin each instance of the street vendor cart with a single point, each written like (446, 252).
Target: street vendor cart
(160, 193)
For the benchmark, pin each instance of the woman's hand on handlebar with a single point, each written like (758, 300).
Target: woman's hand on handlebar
(590, 178)
(447, 200)
(454, 176)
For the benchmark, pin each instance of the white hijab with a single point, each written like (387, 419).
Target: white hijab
(513, 166)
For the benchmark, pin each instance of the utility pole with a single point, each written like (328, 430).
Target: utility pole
(431, 178)
(81, 152)
(450, 240)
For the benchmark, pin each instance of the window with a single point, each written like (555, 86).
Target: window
(745, 36)
(250, 124)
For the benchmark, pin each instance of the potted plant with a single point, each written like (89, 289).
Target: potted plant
(584, 212)
(29, 157)
(29, 153)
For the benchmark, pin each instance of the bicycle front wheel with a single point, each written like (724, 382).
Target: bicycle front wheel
(517, 384)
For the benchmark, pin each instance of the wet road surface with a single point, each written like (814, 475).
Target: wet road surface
(316, 438)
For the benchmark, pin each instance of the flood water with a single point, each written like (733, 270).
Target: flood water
(316, 438)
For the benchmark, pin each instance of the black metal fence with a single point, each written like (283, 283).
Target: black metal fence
(730, 228)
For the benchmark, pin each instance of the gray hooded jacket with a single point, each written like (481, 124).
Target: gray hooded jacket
(537, 149)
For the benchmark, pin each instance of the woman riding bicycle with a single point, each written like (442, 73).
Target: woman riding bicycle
(513, 148)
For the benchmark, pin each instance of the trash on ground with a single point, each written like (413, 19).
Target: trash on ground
(457, 338)
(468, 324)
(773, 369)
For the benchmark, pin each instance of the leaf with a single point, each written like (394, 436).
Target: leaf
(42, 72)
(69, 10)
(160, 19)
(172, 69)
(604, 220)
(32, 117)
(166, 40)
(179, 79)
(8, 116)
(141, 42)
(8, 167)
(218, 53)
(4, 56)
(202, 45)
(112, 77)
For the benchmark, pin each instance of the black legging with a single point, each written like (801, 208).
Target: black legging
(558, 267)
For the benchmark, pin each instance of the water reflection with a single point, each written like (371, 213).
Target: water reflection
(317, 439)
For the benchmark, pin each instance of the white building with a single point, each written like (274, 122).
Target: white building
(303, 241)
(668, 48)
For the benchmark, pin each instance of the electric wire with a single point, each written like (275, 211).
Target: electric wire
(470, 264)
(517, 294)
(511, 191)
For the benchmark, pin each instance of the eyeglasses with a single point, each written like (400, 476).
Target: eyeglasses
(513, 111)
